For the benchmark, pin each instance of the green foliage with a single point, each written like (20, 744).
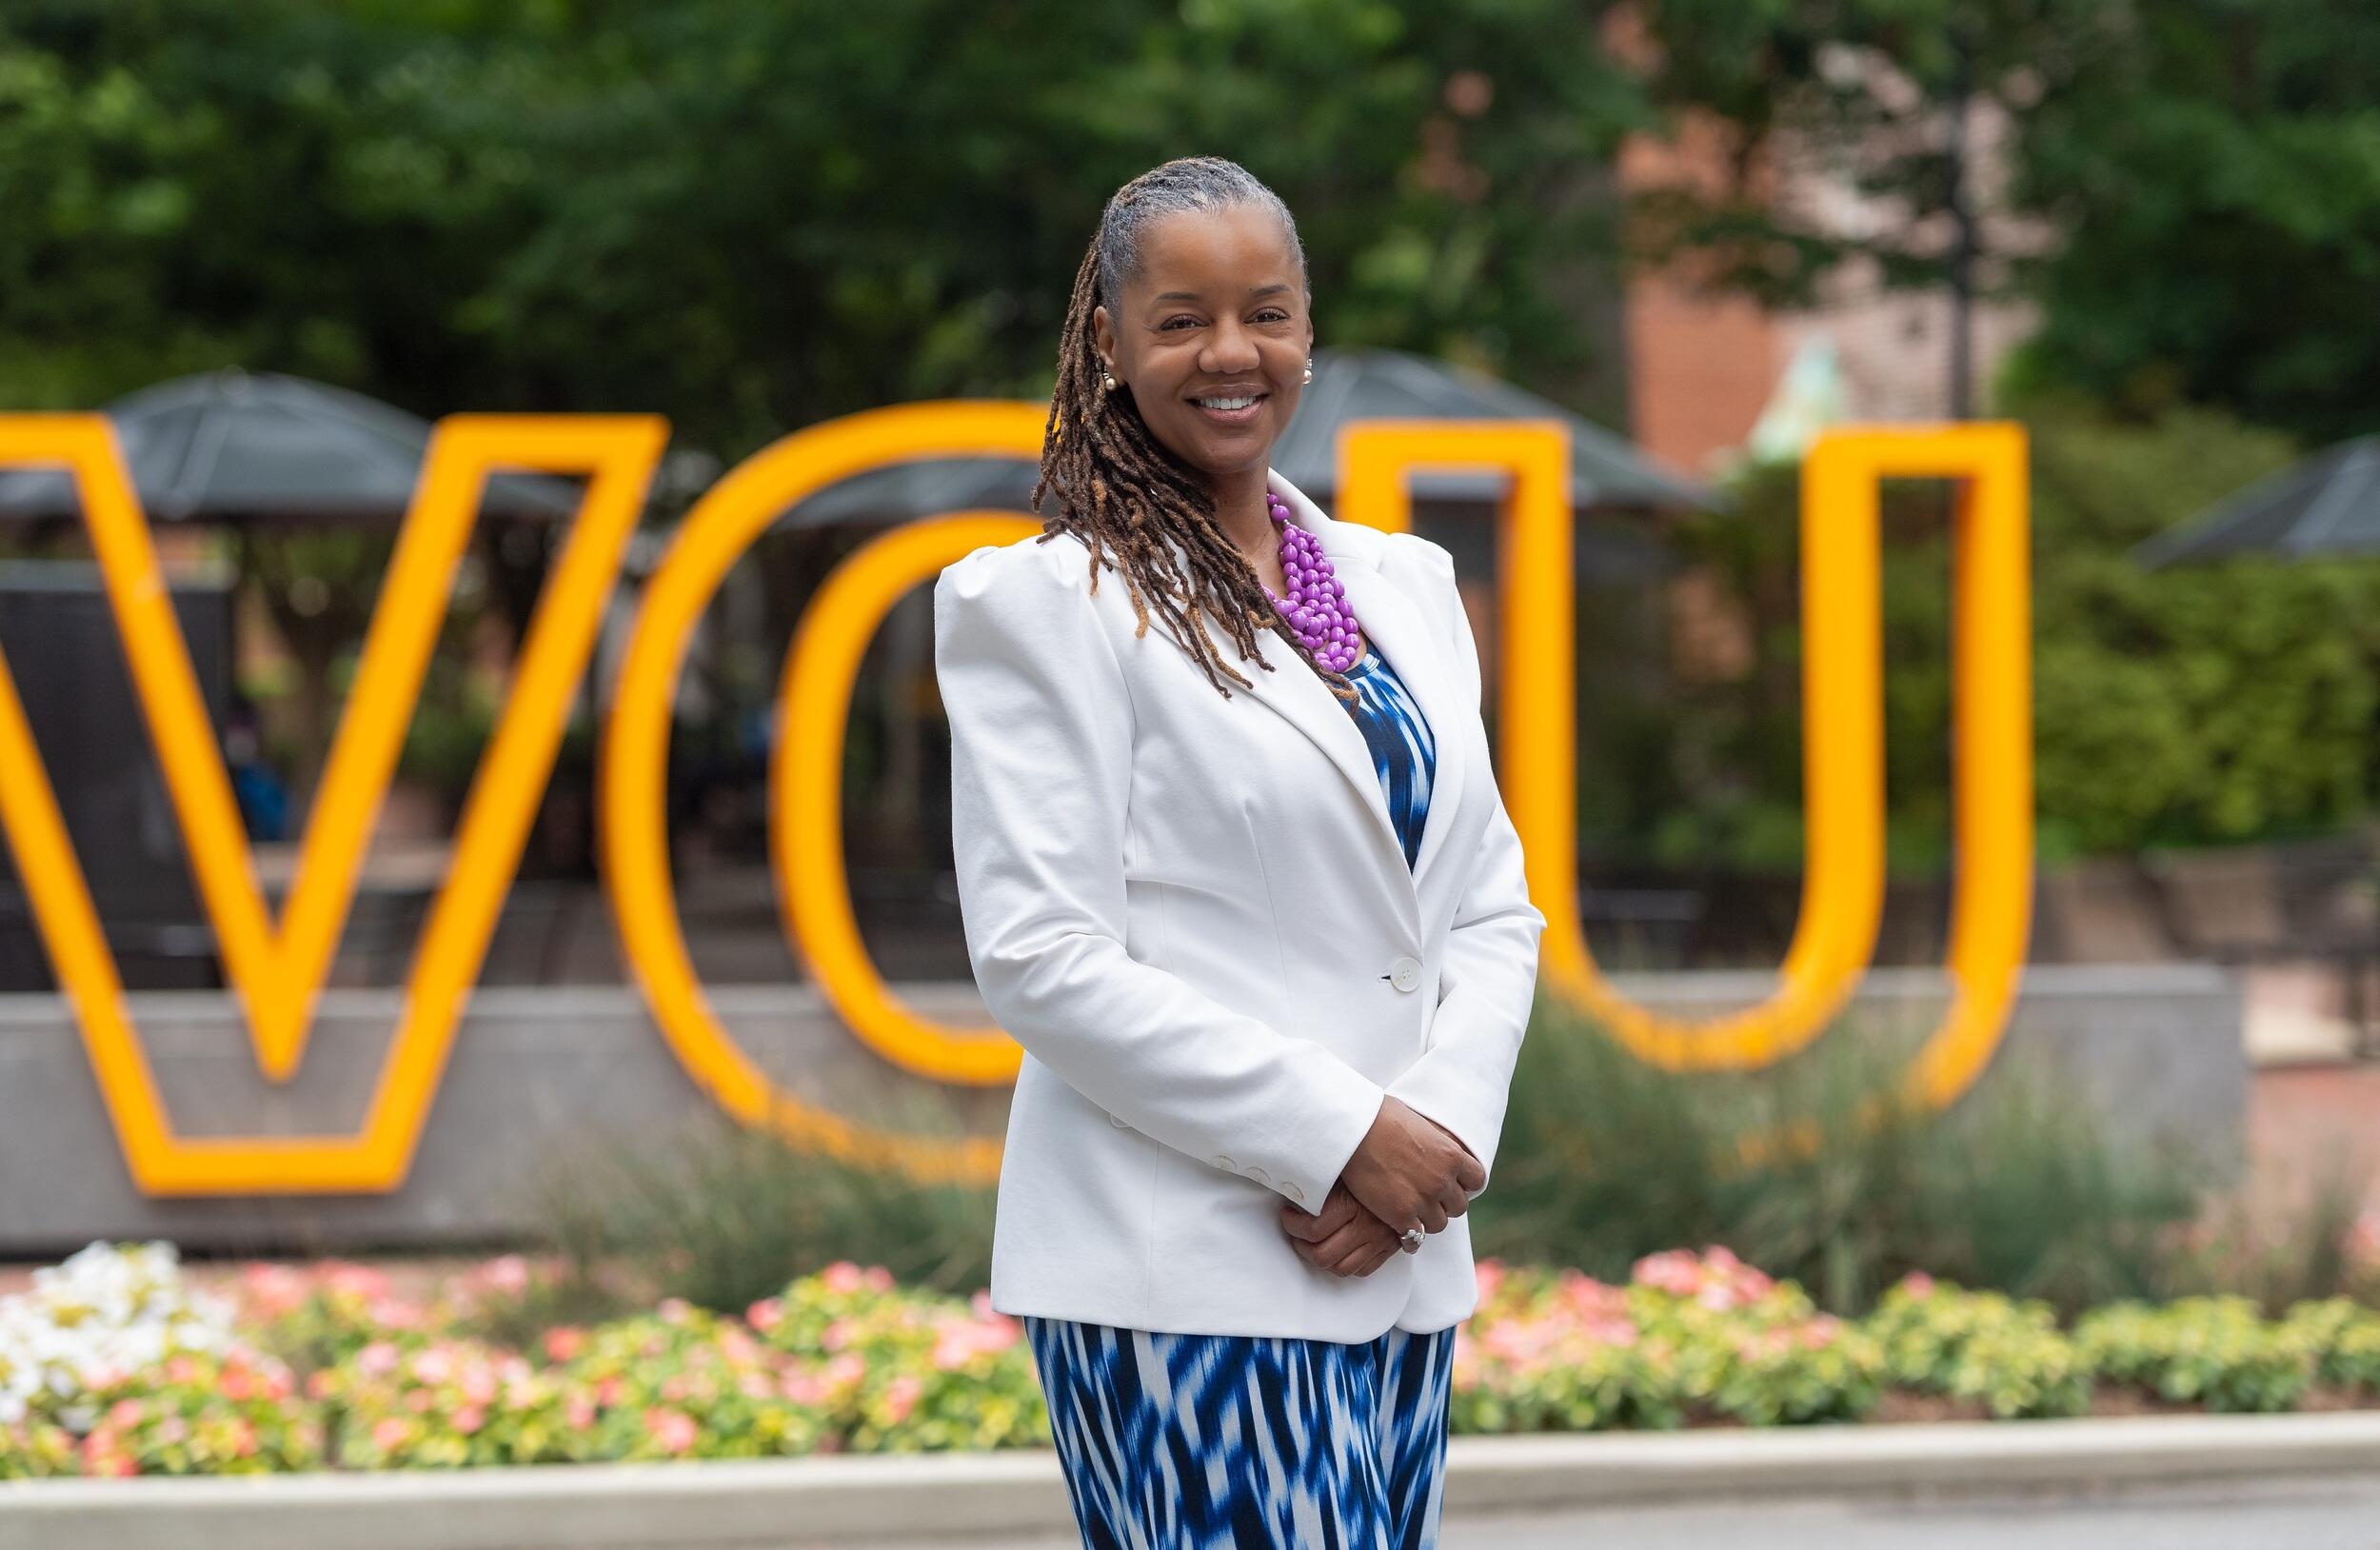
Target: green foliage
(1605, 1159)
(722, 1215)
(2217, 185)
(2345, 1337)
(2207, 173)
(2241, 701)
(2215, 1351)
(1984, 1348)
(752, 217)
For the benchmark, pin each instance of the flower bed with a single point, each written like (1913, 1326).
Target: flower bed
(115, 1364)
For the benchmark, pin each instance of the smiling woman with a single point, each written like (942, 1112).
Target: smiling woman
(1189, 340)
(1270, 954)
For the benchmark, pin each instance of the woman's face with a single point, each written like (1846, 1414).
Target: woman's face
(1212, 337)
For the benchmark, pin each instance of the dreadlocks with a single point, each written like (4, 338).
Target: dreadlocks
(1119, 489)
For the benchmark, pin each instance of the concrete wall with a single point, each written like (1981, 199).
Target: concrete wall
(536, 1073)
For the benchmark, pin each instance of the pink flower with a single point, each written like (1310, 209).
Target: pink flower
(390, 1434)
(509, 1273)
(878, 1279)
(243, 1437)
(377, 1359)
(836, 1334)
(397, 1314)
(479, 1385)
(124, 1413)
(842, 1276)
(1675, 1271)
(673, 1430)
(1918, 1283)
(273, 1289)
(434, 1366)
(1490, 1274)
(173, 1429)
(901, 1396)
(356, 1280)
(766, 1315)
(563, 1343)
(673, 1310)
(470, 1419)
(580, 1411)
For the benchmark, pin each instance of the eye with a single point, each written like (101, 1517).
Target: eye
(1183, 319)
(1272, 314)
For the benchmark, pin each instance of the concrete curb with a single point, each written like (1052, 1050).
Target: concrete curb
(942, 1498)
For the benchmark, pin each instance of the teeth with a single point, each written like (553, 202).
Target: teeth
(1226, 403)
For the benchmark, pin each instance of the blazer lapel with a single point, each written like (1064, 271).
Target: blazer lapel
(1299, 694)
(1405, 635)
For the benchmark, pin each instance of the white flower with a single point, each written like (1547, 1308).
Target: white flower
(107, 1310)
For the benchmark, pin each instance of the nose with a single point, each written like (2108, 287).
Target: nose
(1229, 348)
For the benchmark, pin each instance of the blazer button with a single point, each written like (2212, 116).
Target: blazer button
(1260, 1175)
(1227, 1165)
(1296, 1195)
(1117, 1124)
(1405, 973)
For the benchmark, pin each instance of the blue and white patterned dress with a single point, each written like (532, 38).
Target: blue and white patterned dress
(1179, 1442)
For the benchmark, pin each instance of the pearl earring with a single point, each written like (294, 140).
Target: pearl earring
(1309, 371)
(1107, 381)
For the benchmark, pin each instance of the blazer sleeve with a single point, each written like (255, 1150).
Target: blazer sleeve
(1040, 732)
(1487, 984)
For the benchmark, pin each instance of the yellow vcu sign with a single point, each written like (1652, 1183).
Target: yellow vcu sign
(276, 964)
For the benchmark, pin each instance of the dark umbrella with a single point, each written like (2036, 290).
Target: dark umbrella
(1348, 385)
(235, 447)
(2326, 504)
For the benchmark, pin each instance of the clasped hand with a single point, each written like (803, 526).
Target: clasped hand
(1409, 1171)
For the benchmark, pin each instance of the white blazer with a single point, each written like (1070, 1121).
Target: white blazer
(1195, 915)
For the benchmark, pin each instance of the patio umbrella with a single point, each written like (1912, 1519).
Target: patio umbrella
(1348, 385)
(2325, 504)
(234, 446)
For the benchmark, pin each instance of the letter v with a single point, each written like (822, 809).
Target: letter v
(278, 971)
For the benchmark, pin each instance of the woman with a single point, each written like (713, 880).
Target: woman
(1264, 934)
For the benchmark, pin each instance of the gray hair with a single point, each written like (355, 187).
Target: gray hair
(1188, 183)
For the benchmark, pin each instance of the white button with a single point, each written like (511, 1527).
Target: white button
(1260, 1175)
(1405, 973)
(1297, 1195)
(1227, 1165)
(1117, 1124)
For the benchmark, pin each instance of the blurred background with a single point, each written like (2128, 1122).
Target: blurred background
(275, 241)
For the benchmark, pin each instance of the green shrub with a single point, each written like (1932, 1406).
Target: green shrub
(1605, 1159)
(1981, 1347)
(2345, 1337)
(724, 1216)
(2215, 1351)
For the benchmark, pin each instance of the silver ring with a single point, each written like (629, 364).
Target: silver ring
(1415, 1238)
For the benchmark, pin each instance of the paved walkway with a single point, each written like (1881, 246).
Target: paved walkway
(2322, 1514)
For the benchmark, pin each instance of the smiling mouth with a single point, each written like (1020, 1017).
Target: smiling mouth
(1230, 408)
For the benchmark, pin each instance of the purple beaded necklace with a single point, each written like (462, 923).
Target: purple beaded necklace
(1316, 605)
